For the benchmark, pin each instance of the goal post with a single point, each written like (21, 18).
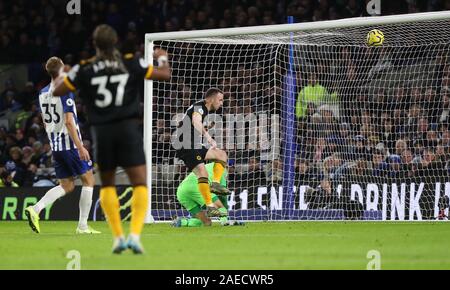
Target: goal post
(295, 27)
(148, 121)
(371, 135)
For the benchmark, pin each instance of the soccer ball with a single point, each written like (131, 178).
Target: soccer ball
(375, 37)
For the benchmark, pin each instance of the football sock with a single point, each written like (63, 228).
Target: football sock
(134, 237)
(219, 167)
(110, 206)
(223, 220)
(192, 222)
(139, 205)
(49, 197)
(85, 206)
(224, 200)
(184, 222)
(223, 210)
(203, 186)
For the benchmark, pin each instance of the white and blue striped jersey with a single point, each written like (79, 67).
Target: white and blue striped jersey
(53, 110)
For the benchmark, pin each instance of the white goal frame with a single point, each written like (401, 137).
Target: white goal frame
(150, 38)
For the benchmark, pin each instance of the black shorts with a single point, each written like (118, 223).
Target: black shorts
(192, 157)
(118, 144)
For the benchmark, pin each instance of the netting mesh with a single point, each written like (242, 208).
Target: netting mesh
(316, 124)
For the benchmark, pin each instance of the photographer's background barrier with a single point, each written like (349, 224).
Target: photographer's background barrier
(13, 202)
(395, 201)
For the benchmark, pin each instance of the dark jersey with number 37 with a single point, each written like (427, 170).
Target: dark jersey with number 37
(109, 88)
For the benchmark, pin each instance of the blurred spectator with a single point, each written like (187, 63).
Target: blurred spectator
(400, 146)
(322, 197)
(37, 152)
(433, 105)
(445, 108)
(252, 174)
(30, 175)
(10, 141)
(6, 97)
(379, 166)
(27, 153)
(429, 170)
(166, 153)
(10, 102)
(28, 96)
(389, 135)
(15, 165)
(406, 167)
(441, 154)
(354, 172)
(25, 49)
(345, 141)
(394, 163)
(6, 179)
(414, 113)
(20, 138)
(44, 177)
(306, 174)
(353, 8)
(313, 93)
(330, 165)
(333, 144)
(255, 171)
(430, 166)
(421, 130)
(319, 150)
(274, 172)
(359, 149)
(373, 143)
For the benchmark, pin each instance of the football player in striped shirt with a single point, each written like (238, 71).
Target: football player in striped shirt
(70, 157)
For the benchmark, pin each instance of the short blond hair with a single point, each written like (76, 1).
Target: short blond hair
(53, 66)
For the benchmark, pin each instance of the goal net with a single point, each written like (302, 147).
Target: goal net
(316, 124)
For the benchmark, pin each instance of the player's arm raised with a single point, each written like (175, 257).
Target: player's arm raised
(162, 72)
(62, 84)
(61, 88)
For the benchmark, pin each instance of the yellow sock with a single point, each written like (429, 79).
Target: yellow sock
(110, 206)
(139, 205)
(203, 186)
(219, 167)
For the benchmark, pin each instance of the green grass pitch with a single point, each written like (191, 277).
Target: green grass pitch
(290, 245)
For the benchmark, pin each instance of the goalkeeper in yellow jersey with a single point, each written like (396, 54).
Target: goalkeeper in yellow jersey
(191, 199)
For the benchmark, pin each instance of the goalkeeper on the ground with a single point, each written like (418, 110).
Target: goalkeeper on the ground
(189, 196)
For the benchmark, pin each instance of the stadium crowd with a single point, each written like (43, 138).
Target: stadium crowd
(401, 132)
(32, 30)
